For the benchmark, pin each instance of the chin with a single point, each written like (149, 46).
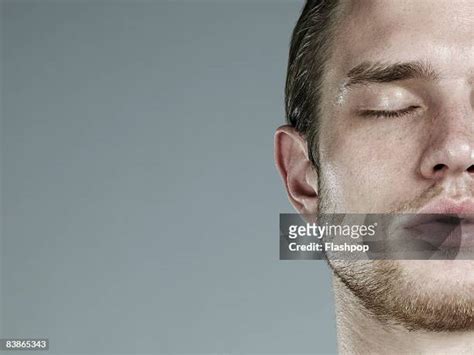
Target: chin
(447, 277)
(432, 295)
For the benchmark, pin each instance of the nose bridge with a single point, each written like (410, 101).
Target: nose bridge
(450, 148)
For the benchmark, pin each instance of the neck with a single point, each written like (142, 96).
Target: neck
(359, 332)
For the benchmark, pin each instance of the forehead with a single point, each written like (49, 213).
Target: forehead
(438, 31)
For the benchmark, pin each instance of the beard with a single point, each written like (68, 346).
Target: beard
(431, 295)
(391, 293)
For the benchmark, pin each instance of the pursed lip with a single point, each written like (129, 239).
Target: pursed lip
(449, 206)
(446, 223)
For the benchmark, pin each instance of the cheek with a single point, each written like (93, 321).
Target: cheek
(365, 168)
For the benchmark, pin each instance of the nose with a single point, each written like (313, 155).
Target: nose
(450, 149)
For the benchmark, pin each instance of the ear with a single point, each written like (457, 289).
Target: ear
(299, 176)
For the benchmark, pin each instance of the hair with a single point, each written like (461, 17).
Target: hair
(309, 51)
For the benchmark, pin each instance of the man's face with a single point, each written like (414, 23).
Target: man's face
(402, 145)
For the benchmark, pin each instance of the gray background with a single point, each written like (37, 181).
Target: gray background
(140, 200)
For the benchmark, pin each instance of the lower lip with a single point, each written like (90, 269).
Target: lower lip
(443, 235)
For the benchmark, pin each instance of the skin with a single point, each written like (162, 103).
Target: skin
(378, 164)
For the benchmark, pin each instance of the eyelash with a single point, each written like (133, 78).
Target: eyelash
(389, 114)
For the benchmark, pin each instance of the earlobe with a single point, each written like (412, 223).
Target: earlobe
(299, 177)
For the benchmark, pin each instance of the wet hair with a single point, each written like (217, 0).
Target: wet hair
(309, 51)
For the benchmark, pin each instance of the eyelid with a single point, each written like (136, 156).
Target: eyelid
(389, 113)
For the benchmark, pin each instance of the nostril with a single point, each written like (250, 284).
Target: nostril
(439, 167)
(470, 169)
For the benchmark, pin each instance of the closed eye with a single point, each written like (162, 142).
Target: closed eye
(388, 113)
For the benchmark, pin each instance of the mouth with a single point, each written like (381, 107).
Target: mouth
(444, 224)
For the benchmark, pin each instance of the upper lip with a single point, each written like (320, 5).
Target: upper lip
(443, 210)
(449, 206)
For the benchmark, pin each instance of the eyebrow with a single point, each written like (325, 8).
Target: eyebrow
(376, 72)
